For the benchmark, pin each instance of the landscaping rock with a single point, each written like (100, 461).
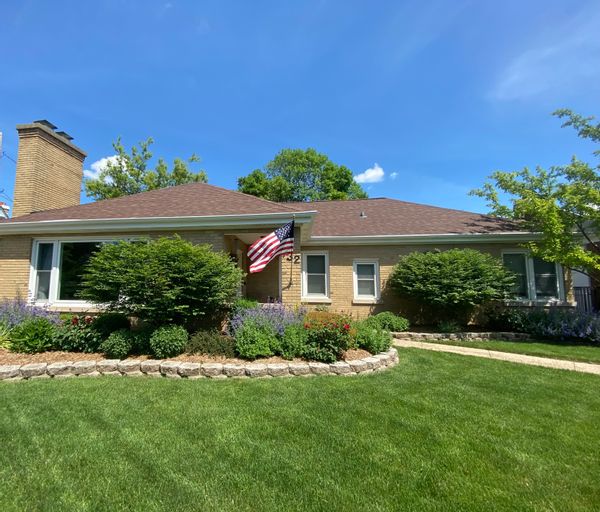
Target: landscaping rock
(340, 368)
(129, 366)
(384, 358)
(358, 365)
(9, 371)
(318, 368)
(278, 369)
(373, 362)
(212, 369)
(107, 366)
(170, 369)
(33, 370)
(189, 369)
(256, 370)
(83, 367)
(299, 369)
(234, 370)
(57, 369)
(150, 366)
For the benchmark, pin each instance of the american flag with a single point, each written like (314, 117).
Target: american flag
(261, 252)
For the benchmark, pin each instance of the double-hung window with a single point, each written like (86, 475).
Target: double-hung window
(537, 279)
(57, 267)
(315, 276)
(366, 280)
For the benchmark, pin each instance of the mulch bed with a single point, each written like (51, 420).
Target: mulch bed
(7, 357)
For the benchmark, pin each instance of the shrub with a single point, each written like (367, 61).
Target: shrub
(4, 336)
(163, 281)
(326, 341)
(168, 341)
(452, 282)
(389, 321)
(322, 316)
(242, 304)
(255, 339)
(33, 335)
(276, 316)
(17, 311)
(212, 343)
(371, 337)
(448, 326)
(77, 335)
(119, 344)
(293, 341)
(107, 323)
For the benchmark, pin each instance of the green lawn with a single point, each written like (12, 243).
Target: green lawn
(554, 349)
(438, 432)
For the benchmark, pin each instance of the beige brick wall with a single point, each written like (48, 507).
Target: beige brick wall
(49, 171)
(341, 284)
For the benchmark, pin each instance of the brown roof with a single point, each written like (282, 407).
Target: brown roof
(334, 218)
(194, 199)
(392, 217)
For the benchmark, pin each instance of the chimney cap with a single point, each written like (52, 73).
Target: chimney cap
(47, 123)
(64, 135)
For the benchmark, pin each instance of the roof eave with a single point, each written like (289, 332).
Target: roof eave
(424, 239)
(251, 220)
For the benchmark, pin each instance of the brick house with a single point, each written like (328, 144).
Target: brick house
(344, 250)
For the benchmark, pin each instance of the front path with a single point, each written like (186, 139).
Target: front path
(503, 356)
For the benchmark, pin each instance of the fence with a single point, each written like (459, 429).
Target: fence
(584, 298)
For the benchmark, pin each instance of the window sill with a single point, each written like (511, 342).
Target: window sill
(366, 301)
(538, 303)
(69, 306)
(316, 300)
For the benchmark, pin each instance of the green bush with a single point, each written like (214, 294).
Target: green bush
(4, 335)
(241, 304)
(77, 335)
(168, 341)
(163, 281)
(107, 323)
(119, 344)
(371, 337)
(452, 282)
(389, 321)
(448, 326)
(212, 343)
(255, 339)
(326, 341)
(33, 335)
(293, 341)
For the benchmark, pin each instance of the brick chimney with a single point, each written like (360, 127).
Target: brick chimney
(49, 169)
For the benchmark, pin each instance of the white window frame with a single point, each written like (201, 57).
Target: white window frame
(54, 274)
(530, 271)
(366, 299)
(315, 297)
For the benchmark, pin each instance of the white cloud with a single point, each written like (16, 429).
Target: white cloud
(394, 175)
(567, 60)
(374, 174)
(98, 166)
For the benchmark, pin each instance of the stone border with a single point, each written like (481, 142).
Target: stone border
(178, 369)
(466, 336)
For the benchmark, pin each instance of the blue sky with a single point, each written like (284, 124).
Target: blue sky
(438, 94)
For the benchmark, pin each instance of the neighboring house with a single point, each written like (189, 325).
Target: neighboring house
(344, 250)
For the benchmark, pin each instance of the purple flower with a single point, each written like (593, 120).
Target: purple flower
(274, 315)
(16, 311)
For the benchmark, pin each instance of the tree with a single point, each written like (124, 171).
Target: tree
(451, 283)
(163, 281)
(301, 175)
(562, 203)
(128, 174)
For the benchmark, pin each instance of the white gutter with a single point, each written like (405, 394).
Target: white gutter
(250, 220)
(514, 236)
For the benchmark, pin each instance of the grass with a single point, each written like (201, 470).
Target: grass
(573, 351)
(437, 432)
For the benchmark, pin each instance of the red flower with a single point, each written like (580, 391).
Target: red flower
(347, 327)
(88, 319)
(75, 320)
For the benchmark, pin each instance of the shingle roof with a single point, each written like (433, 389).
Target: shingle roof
(393, 217)
(334, 218)
(191, 200)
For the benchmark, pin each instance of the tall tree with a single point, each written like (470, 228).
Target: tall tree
(561, 203)
(301, 175)
(129, 173)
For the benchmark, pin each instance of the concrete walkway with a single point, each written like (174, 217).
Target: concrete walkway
(560, 364)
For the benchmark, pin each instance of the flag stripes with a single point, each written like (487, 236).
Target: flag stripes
(264, 250)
